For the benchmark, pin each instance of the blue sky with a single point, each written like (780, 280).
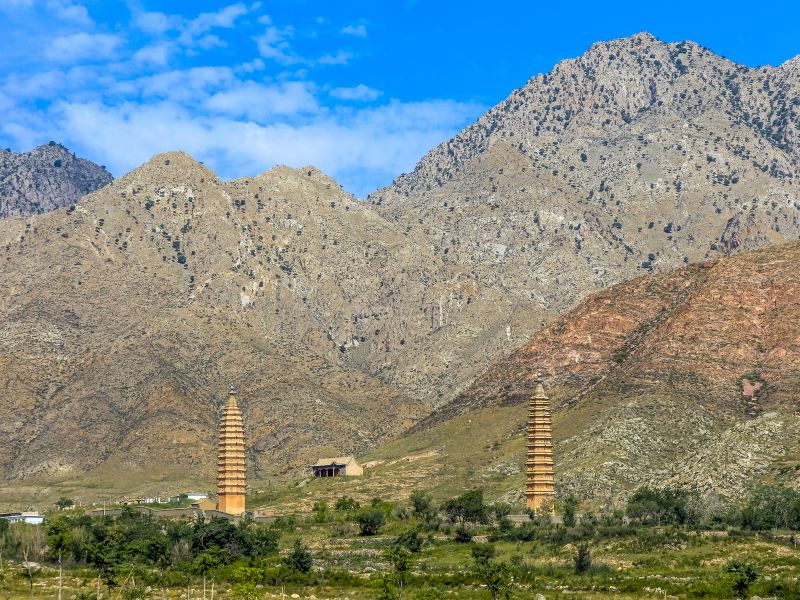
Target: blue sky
(360, 89)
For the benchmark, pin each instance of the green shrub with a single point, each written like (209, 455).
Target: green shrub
(347, 504)
(300, 559)
(371, 520)
(483, 553)
(570, 508)
(583, 559)
(463, 535)
(410, 540)
(744, 575)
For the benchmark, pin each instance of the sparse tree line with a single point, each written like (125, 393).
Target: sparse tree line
(134, 554)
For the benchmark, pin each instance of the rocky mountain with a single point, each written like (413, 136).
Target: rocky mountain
(46, 178)
(686, 378)
(637, 157)
(127, 315)
(342, 322)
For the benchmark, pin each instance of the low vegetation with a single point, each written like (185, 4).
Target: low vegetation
(665, 542)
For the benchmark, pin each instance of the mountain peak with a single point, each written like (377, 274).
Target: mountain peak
(308, 173)
(46, 178)
(172, 167)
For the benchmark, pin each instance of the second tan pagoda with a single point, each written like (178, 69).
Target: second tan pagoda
(540, 491)
(231, 478)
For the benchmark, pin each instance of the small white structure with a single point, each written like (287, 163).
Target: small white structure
(31, 518)
(195, 496)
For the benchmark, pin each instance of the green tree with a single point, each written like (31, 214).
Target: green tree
(772, 507)
(651, 506)
(135, 592)
(469, 507)
(104, 557)
(300, 558)
(371, 520)
(501, 510)
(206, 563)
(387, 587)
(498, 578)
(400, 559)
(263, 541)
(58, 537)
(583, 559)
(570, 508)
(244, 587)
(744, 575)
(63, 503)
(218, 533)
(422, 503)
(505, 526)
(411, 540)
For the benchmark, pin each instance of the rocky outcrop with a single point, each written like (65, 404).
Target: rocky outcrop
(46, 178)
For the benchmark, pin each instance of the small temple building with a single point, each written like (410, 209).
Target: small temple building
(340, 466)
(231, 480)
(540, 491)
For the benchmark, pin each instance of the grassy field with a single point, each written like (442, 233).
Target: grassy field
(626, 562)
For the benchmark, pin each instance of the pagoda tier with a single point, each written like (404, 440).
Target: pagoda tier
(231, 471)
(540, 490)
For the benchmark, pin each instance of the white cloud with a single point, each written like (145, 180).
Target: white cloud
(155, 54)
(211, 41)
(225, 17)
(252, 66)
(355, 30)
(69, 11)
(360, 92)
(363, 149)
(156, 23)
(273, 44)
(186, 86)
(258, 101)
(340, 58)
(120, 96)
(191, 32)
(83, 46)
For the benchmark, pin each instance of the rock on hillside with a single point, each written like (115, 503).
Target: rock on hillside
(690, 377)
(637, 157)
(46, 178)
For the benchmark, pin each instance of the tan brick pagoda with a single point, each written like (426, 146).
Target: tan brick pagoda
(540, 492)
(231, 482)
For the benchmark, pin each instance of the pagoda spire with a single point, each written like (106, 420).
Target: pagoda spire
(231, 480)
(540, 491)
